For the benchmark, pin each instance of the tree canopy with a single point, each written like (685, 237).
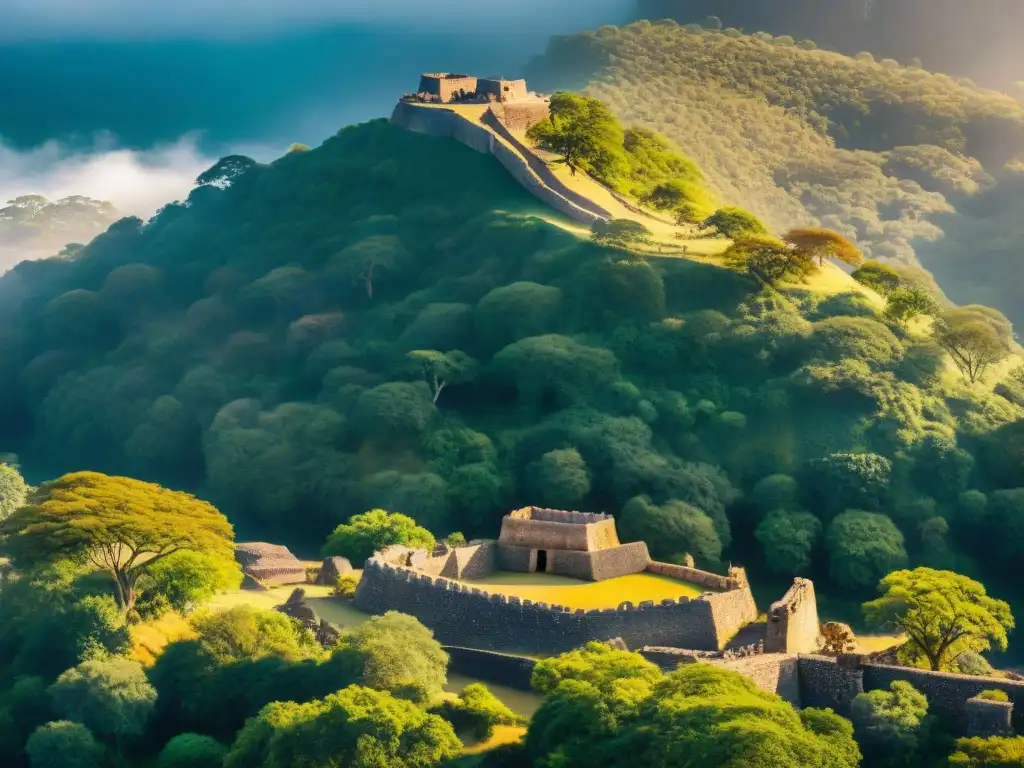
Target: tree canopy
(370, 531)
(121, 526)
(943, 615)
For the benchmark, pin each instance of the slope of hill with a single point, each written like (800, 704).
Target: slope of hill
(253, 344)
(880, 152)
(978, 39)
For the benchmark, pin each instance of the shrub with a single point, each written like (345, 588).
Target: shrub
(994, 695)
(476, 712)
(191, 750)
(312, 572)
(345, 586)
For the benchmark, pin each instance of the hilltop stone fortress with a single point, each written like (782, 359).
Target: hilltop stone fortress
(491, 116)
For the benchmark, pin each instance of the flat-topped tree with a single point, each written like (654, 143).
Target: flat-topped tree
(119, 525)
(821, 244)
(943, 614)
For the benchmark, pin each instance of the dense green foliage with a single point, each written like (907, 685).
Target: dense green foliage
(13, 490)
(190, 750)
(371, 531)
(230, 347)
(475, 712)
(613, 708)
(908, 164)
(994, 752)
(943, 615)
(63, 744)
(891, 725)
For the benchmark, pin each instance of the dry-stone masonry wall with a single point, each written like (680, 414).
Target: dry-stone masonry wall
(830, 682)
(498, 668)
(793, 621)
(988, 718)
(269, 563)
(466, 616)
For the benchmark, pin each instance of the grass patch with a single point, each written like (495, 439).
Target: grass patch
(151, 637)
(503, 734)
(573, 593)
(873, 643)
(335, 610)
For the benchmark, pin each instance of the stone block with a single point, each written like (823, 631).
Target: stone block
(331, 570)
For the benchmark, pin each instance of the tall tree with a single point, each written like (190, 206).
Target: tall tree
(13, 490)
(974, 337)
(118, 525)
(584, 132)
(821, 244)
(443, 368)
(943, 615)
(364, 534)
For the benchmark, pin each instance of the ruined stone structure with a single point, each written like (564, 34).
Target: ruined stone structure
(988, 718)
(577, 544)
(269, 564)
(446, 88)
(793, 621)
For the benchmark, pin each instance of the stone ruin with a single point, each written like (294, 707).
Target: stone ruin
(331, 570)
(268, 565)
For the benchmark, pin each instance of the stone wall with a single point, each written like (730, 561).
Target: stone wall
(465, 616)
(776, 673)
(476, 561)
(502, 90)
(491, 667)
(543, 534)
(521, 116)
(793, 621)
(445, 85)
(270, 564)
(692, 575)
(602, 564)
(829, 682)
(986, 718)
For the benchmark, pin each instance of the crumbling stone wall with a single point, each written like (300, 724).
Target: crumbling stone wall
(466, 616)
(536, 528)
(988, 718)
(776, 673)
(520, 117)
(793, 621)
(502, 90)
(736, 580)
(472, 562)
(445, 86)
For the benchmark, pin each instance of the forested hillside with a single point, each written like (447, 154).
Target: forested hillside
(885, 153)
(979, 39)
(32, 226)
(379, 323)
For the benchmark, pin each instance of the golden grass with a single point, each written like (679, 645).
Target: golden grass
(573, 593)
(503, 734)
(873, 643)
(151, 637)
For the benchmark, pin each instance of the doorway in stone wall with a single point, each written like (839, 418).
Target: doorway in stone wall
(542, 561)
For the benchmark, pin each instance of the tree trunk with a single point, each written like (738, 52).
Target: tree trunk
(438, 386)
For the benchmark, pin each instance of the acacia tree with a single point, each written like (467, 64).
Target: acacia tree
(443, 368)
(974, 338)
(821, 244)
(121, 526)
(584, 132)
(943, 615)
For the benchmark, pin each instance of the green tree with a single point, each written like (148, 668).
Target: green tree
(370, 259)
(878, 276)
(788, 539)
(245, 633)
(13, 490)
(63, 744)
(584, 132)
(596, 664)
(354, 727)
(364, 534)
(517, 311)
(111, 697)
(943, 615)
(821, 244)
(191, 750)
(559, 479)
(671, 530)
(891, 725)
(443, 368)
(396, 653)
(992, 752)
(556, 365)
(862, 548)
(904, 304)
(769, 259)
(735, 223)
(121, 526)
(186, 579)
(973, 338)
(620, 233)
(475, 712)
(844, 480)
(395, 409)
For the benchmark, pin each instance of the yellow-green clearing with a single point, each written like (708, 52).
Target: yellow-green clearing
(335, 609)
(573, 593)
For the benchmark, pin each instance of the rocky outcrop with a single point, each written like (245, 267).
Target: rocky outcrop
(331, 569)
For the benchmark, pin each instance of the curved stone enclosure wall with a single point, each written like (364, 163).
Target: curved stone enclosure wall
(439, 121)
(467, 616)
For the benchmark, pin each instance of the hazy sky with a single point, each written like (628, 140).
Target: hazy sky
(48, 19)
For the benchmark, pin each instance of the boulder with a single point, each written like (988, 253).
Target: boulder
(331, 569)
(251, 582)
